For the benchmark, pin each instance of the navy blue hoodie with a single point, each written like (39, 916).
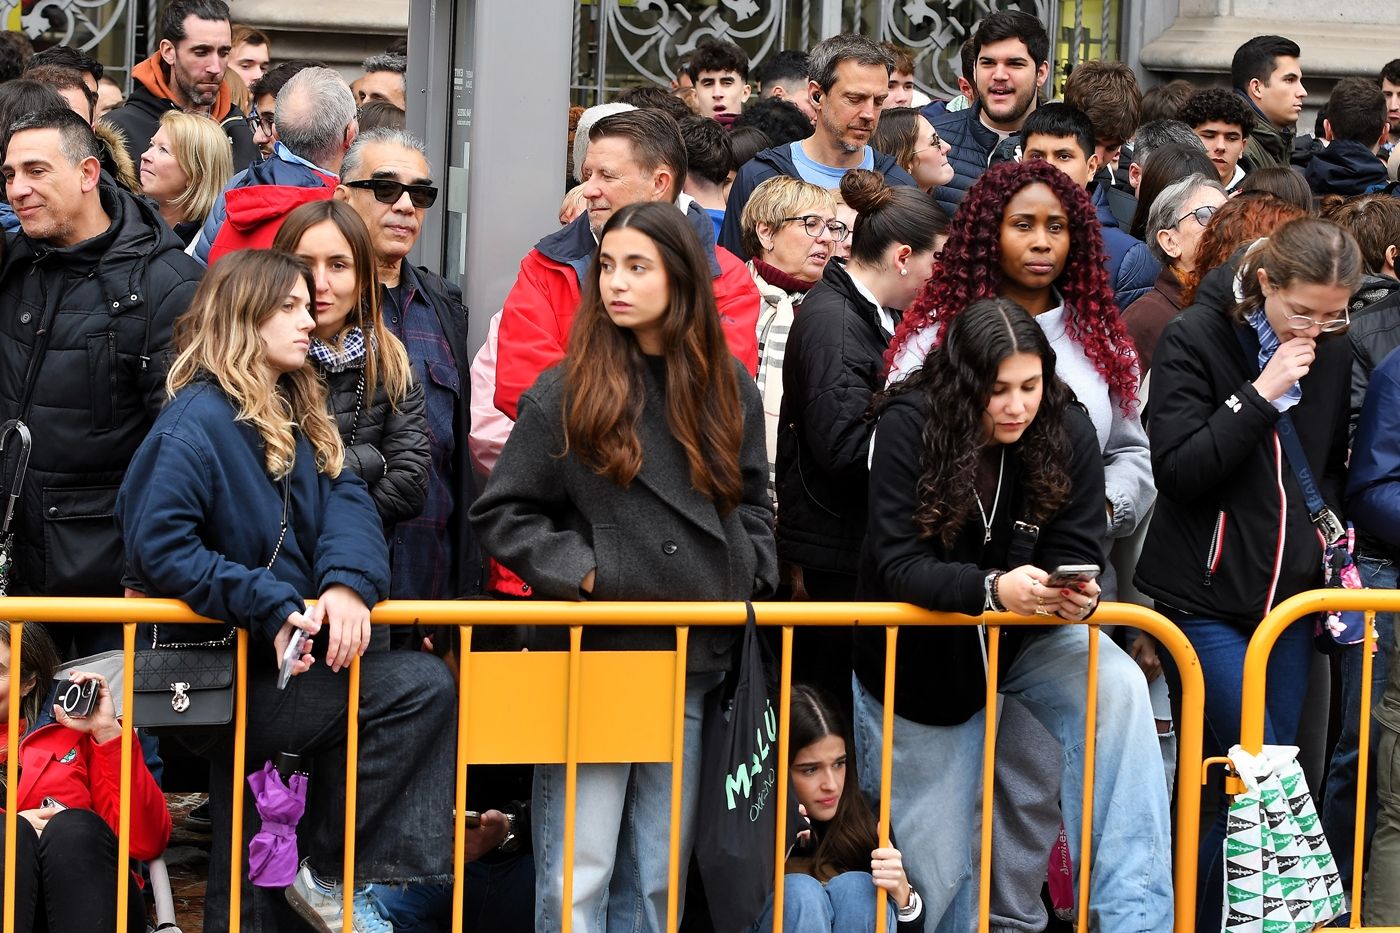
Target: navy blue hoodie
(1345, 167)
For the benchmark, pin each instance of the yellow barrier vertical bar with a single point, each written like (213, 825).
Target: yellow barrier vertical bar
(124, 792)
(1188, 773)
(1362, 770)
(240, 764)
(352, 790)
(459, 832)
(882, 897)
(677, 775)
(12, 770)
(1086, 816)
(571, 772)
(784, 712)
(989, 760)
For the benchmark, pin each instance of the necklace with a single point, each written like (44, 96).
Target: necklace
(987, 517)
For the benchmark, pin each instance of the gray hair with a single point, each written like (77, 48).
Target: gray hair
(1166, 210)
(1153, 136)
(386, 61)
(383, 134)
(849, 46)
(313, 111)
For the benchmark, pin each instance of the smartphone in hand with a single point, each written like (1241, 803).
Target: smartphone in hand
(295, 649)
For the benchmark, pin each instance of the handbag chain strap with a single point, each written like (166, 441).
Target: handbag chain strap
(227, 640)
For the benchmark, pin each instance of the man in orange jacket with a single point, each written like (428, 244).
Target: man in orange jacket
(186, 73)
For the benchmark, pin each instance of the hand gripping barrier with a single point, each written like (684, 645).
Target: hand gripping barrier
(604, 706)
(1252, 709)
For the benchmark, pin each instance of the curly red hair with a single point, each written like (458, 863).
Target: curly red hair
(970, 270)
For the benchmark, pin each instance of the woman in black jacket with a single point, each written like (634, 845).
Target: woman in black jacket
(1232, 536)
(985, 477)
(378, 407)
(635, 471)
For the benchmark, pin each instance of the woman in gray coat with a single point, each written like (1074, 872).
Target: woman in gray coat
(636, 471)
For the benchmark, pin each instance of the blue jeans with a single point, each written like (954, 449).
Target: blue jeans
(1221, 645)
(845, 904)
(1339, 794)
(938, 775)
(621, 835)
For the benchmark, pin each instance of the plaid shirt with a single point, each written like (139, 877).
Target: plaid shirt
(420, 549)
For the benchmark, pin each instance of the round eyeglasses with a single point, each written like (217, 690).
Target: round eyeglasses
(1203, 214)
(814, 225)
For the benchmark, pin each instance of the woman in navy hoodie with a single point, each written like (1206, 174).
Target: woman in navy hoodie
(237, 503)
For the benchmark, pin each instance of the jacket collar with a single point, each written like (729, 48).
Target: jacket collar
(573, 246)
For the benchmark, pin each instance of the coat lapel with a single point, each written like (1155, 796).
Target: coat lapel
(665, 469)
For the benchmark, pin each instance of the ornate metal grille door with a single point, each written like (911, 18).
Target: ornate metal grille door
(102, 28)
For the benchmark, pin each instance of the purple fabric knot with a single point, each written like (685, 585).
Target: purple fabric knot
(272, 852)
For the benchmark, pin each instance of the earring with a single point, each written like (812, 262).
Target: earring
(903, 271)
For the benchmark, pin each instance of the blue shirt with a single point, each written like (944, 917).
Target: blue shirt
(718, 217)
(825, 176)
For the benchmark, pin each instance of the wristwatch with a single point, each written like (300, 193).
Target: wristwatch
(510, 843)
(911, 910)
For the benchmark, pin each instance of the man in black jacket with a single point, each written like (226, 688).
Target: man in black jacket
(1355, 127)
(385, 177)
(186, 73)
(90, 291)
(848, 83)
(1011, 56)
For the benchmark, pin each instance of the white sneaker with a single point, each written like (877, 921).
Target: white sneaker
(319, 904)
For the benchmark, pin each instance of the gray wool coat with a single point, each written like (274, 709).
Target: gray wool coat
(551, 519)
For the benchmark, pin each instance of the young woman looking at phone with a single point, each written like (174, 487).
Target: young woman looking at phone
(952, 496)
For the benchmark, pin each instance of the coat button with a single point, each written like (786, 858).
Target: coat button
(669, 547)
(525, 588)
(24, 318)
(53, 511)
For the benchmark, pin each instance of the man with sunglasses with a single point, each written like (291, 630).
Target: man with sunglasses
(387, 180)
(316, 124)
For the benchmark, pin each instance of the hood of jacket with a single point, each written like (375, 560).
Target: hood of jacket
(151, 75)
(1345, 167)
(116, 161)
(1373, 289)
(137, 231)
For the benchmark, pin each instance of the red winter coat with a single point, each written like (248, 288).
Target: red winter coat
(83, 774)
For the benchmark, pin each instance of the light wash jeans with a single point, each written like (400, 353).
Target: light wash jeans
(845, 904)
(937, 780)
(621, 835)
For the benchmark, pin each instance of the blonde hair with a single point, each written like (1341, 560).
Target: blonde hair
(202, 151)
(778, 198)
(219, 336)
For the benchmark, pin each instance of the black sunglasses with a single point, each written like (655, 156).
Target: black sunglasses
(388, 191)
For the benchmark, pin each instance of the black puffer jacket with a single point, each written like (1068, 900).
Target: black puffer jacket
(832, 366)
(1231, 537)
(82, 362)
(386, 446)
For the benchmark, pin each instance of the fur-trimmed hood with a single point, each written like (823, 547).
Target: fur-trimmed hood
(115, 159)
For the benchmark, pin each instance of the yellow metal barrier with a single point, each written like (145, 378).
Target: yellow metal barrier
(1253, 709)
(573, 714)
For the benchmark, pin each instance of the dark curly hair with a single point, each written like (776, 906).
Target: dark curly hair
(956, 381)
(969, 269)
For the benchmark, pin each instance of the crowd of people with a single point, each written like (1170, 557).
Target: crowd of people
(801, 334)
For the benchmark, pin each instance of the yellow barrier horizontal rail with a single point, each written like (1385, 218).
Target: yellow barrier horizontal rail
(1253, 705)
(576, 615)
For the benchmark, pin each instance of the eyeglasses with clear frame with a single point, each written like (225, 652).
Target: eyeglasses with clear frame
(815, 224)
(1332, 325)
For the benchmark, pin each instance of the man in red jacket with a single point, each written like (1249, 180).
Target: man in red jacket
(632, 157)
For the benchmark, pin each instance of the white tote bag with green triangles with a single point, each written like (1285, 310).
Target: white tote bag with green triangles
(1279, 873)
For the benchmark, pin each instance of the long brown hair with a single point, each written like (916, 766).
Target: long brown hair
(219, 336)
(382, 348)
(37, 663)
(848, 839)
(603, 370)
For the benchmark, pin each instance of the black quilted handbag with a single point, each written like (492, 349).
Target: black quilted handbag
(189, 686)
(184, 686)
